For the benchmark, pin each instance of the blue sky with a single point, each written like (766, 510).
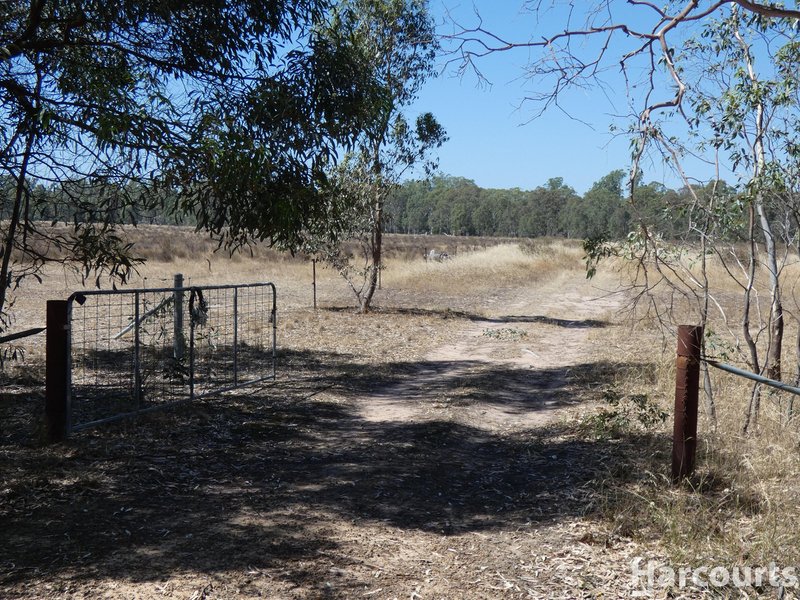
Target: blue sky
(493, 139)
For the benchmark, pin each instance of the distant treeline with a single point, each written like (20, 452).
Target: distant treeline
(86, 202)
(440, 205)
(457, 206)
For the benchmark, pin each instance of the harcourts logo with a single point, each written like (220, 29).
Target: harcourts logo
(648, 578)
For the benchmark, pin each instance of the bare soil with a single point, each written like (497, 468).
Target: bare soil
(437, 459)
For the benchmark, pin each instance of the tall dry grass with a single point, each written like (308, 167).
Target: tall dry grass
(477, 264)
(504, 264)
(741, 506)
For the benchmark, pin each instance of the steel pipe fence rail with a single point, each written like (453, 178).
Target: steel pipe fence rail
(785, 387)
(20, 334)
(139, 350)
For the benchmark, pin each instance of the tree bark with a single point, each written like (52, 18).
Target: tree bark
(13, 225)
(774, 355)
(377, 247)
(775, 351)
(711, 408)
(751, 418)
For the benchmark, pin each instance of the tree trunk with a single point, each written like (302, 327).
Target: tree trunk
(376, 240)
(13, 226)
(711, 408)
(790, 405)
(751, 418)
(774, 355)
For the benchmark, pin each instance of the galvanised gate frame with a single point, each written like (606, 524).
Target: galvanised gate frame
(133, 351)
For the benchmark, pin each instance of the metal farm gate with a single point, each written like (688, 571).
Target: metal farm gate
(132, 351)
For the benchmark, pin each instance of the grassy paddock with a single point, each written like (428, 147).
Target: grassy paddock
(497, 265)
(477, 265)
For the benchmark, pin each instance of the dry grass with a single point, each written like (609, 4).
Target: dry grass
(736, 509)
(478, 264)
(502, 265)
(741, 505)
(432, 298)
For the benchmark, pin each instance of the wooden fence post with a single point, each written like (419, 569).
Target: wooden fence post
(56, 375)
(687, 380)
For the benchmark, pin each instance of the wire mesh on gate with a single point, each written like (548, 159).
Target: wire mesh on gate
(229, 329)
(133, 351)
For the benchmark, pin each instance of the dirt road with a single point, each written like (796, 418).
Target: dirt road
(505, 369)
(453, 475)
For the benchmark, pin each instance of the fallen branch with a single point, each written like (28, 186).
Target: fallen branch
(163, 304)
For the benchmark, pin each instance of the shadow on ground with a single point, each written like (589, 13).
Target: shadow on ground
(262, 480)
(447, 313)
(516, 389)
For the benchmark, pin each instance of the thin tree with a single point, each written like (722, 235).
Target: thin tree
(396, 37)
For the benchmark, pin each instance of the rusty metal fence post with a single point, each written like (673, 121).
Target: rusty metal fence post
(687, 380)
(57, 371)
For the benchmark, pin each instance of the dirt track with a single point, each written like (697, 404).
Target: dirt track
(452, 475)
(522, 342)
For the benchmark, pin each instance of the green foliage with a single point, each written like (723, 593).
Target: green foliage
(395, 41)
(228, 111)
(745, 107)
(625, 414)
(350, 220)
(457, 206)
(596, 249)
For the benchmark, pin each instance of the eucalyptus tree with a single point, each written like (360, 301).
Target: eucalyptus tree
(547, 205)
(229, 110)
(710, 80)
(397, 39)
(748, 100)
